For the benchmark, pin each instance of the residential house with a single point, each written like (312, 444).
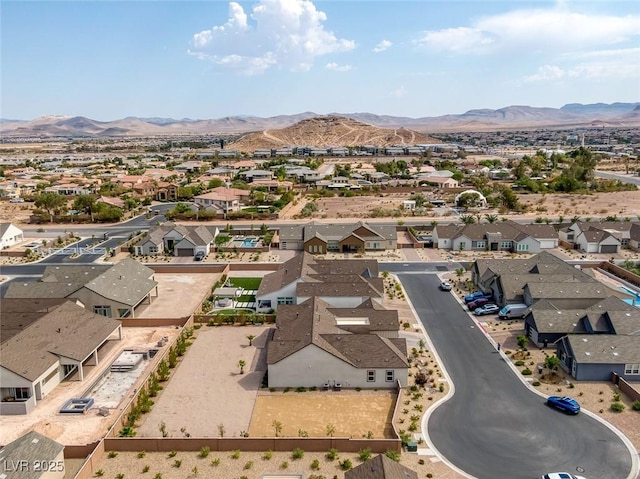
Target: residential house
(222, 202)
(43, 342)
(593, 357)
(503, 236)
(33, 456)
(634, 236)
(546, 322)
(186, 240)
(111, 201)
(314, 345)
(114, 291)
(440, 181)
(506, 280)
(380, 467)
(341, 283)
(256, 175)
(317, 238)
(598, 236)
(152, 244)
(10, 235)
(166, 191)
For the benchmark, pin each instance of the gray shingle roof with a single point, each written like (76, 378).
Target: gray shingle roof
(126, 282)
(32, 448)
(605, 348)
(551, 290)
(65, 329)
(56, 282)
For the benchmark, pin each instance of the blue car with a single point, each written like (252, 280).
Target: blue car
(477, 295)
(564, 403)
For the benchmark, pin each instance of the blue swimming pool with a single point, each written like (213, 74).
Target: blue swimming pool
(250, 242)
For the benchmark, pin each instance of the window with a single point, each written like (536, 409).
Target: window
(522, 247)
(371, 376)
(123, 313)
(632, 369)
(481, 244)
(20, 394)
(102, 310)
(153, 250)
(388, 375)
(285, 300)
(505, 244)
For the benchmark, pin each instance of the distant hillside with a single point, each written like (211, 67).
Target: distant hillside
(327, 131)
(511, 117)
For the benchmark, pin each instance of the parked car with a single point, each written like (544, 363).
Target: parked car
(199, 256)
(477, 295)
(513, 311)
(473, 305)
(488, 308)
(445, 286)
(16, 200)
(560, 475)
(564, 403)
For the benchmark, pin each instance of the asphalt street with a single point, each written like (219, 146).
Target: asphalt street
(494, 426)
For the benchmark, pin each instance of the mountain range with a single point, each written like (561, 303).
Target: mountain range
(574, 115)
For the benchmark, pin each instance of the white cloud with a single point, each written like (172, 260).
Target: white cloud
(621, 63)
(339, 68)
(556, 29)
(283, 33)
(399, 92)
(382, 46)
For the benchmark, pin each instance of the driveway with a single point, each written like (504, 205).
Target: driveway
(494, 426)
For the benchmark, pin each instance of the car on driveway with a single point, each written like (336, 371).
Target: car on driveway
(473, 305)
(488, 308)
(445, 286)
(477, 295)
(199, 256)
(560, 475)
(564, 403)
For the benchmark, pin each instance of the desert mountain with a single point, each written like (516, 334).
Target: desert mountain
(327, 131)
(573, 115)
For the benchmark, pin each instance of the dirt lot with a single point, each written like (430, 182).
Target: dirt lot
(314, 411)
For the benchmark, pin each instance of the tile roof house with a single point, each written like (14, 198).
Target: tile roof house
(380, 467)
(43, 342)
(113, 291)
(319, 238)
(598, 236)
(314, 344)
(504, 236)
(10, 235)
(20, 458)
(513, 281)
(342, 283)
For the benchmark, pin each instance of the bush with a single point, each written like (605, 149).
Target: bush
(346, 465)
(112, 454)
(526, 372)
(332, 454)
(617, 406)
(393, 455)
(267, 455)
(636, 405)
(297, 454)
(204, 451)
(315, 465)
(364, 454)
(519, 363)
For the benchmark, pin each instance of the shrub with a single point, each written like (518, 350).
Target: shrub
(204, 451)
(393, 455)
(315, 465)
(297, 454)
(332, 454)
(99, 473)
(617, 406)
(248, 465)
(526, 372)
(172, 453)
(112, 454)
(364, 454)
(267, 455)
(616, 397)
(235, 454)
(636, 405)
(215, 462)
(146, 468)
(177, 463)
(519, 363)
(535, 383)
(346, 465)
(284, 465)
(141, 454)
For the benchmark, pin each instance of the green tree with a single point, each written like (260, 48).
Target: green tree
(251, 337)
(86, 204)
(241, 364)
(50, 202)
(522, 341)
(467, 219)
(491, 218)
(469, 200)
(551, 362)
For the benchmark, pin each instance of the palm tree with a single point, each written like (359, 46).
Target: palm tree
(277, 426)
(251, 337)
(241, 364)
(467, 219)
(491, 218)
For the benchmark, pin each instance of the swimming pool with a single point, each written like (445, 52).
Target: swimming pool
(250, 242)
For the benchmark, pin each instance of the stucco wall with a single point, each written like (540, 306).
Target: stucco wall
(312, 366)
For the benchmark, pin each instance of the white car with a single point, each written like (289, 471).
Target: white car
(560, 475)
(445, 286)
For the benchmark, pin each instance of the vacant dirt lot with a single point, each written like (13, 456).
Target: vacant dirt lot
(352, 413)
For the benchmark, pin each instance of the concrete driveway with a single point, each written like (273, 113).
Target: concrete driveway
(494, 426)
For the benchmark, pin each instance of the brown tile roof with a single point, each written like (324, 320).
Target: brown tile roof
(380, 467)
(66, 330)
(313, 322)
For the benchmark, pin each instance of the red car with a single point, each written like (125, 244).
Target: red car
(477, 303)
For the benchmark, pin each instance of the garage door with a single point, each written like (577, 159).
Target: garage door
(185, 251)
(608, 248)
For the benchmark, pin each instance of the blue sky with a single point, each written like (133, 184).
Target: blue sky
(210, 59)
